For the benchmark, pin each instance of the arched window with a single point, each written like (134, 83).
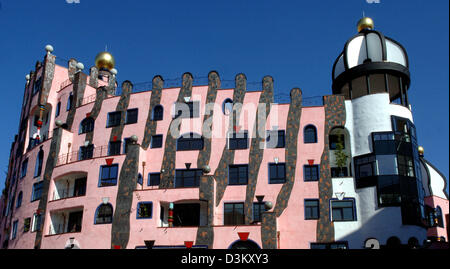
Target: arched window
(19, 200)
(248, 244)
(310, 134)
(227, 106)
(104, 214)
(158, 112)
(38, 166)
(87, 125)
(438, 217)
(190, 141)
(69, 102)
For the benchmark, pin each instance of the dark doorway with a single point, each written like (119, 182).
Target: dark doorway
(186, 215)
(80, 187)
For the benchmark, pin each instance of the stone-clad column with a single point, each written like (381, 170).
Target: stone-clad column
(334, 117)
(79, 86)
(155, 99)
(269, 230)
(256, 150)
(93, 78)
(72, 69)
(122, 106)
(120, 230)
(205, 234)
(221, 173)
(49, 166)
(292, 130)
(168, 163)
(100, 96)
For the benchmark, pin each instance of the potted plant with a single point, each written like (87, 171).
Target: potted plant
(341, 156)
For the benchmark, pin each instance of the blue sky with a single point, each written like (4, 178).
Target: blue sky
(296, 42)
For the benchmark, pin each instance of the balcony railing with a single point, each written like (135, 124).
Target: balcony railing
(76, 156)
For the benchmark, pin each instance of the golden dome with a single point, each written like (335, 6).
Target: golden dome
(421, 150)
(365, 23)
(104, 60)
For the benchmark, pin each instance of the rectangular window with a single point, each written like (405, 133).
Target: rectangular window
(311, 209)
(365, 166)
(14, 229)
(114, 148)
(114, 118)
(37, 85)
(154, 179)
(37, 221)
(69, 102)
(157, 141)
(58, 109)
(238, 174)
(131, 116)
(311, 172)
(343, 210)
(144, 210)
(339, 172)
(187, 178)
(335, 139)
(108, 175)
(234, 214)
(258, 209)
(86, 152)
(23, 169)
(185, 215)
(26, 225)
(187, 110)
(405, 166)
(127, 142)
(277, 173)
(275, 139)
(238, 140)
(37, 191)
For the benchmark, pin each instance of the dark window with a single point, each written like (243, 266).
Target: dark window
(37, 191)
(190, 141)
(335, 140)
(37, 221)
(187, 110)
(127, 142)
(108, 175)
(186, 215)
(144, 210)
(131, 116)
(140, 180)
(158, 113)
(86, 152)
(157, 141)
(38, 166)
(258, 209)
(114, 148)
(14, 229)
(311, 172)
(74, 222)
(277, 173)
(187, 177)
(69, 102)
(26, 225)
(438, 217)
(87, 125)
(104, 214)
(154, 179)
(114, 118)
(237, 174)
(311, 209)
(19, 200)
(238, 140)
(343, 210)
(339, 172)
(365, 166)
(405, 166)
(234, 214)
(275, 139)
(80, 187)
(58, 109)
(23, 169)
(37, 85)
(310, 134)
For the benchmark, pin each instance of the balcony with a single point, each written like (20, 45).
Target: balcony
(85, 154)
(72, 185)
(66, 221)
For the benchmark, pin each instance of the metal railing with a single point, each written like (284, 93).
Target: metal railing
(76, 156)
(87, 100)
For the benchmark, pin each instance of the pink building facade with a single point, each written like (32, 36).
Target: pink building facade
(198, 164)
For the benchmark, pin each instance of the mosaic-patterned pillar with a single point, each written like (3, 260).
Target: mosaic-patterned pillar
(155, 99)
(256, 150)
(205, 235)
(79, 86)
(334, 117)
(221, 173)
(168, 163)
(269, 230)
(122, 106)
(100, 96)
(49, 166)
(120, 230)
(93, 78)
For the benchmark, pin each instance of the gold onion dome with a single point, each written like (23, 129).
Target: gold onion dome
(420, 150)
(104, 60)
(365, 23)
